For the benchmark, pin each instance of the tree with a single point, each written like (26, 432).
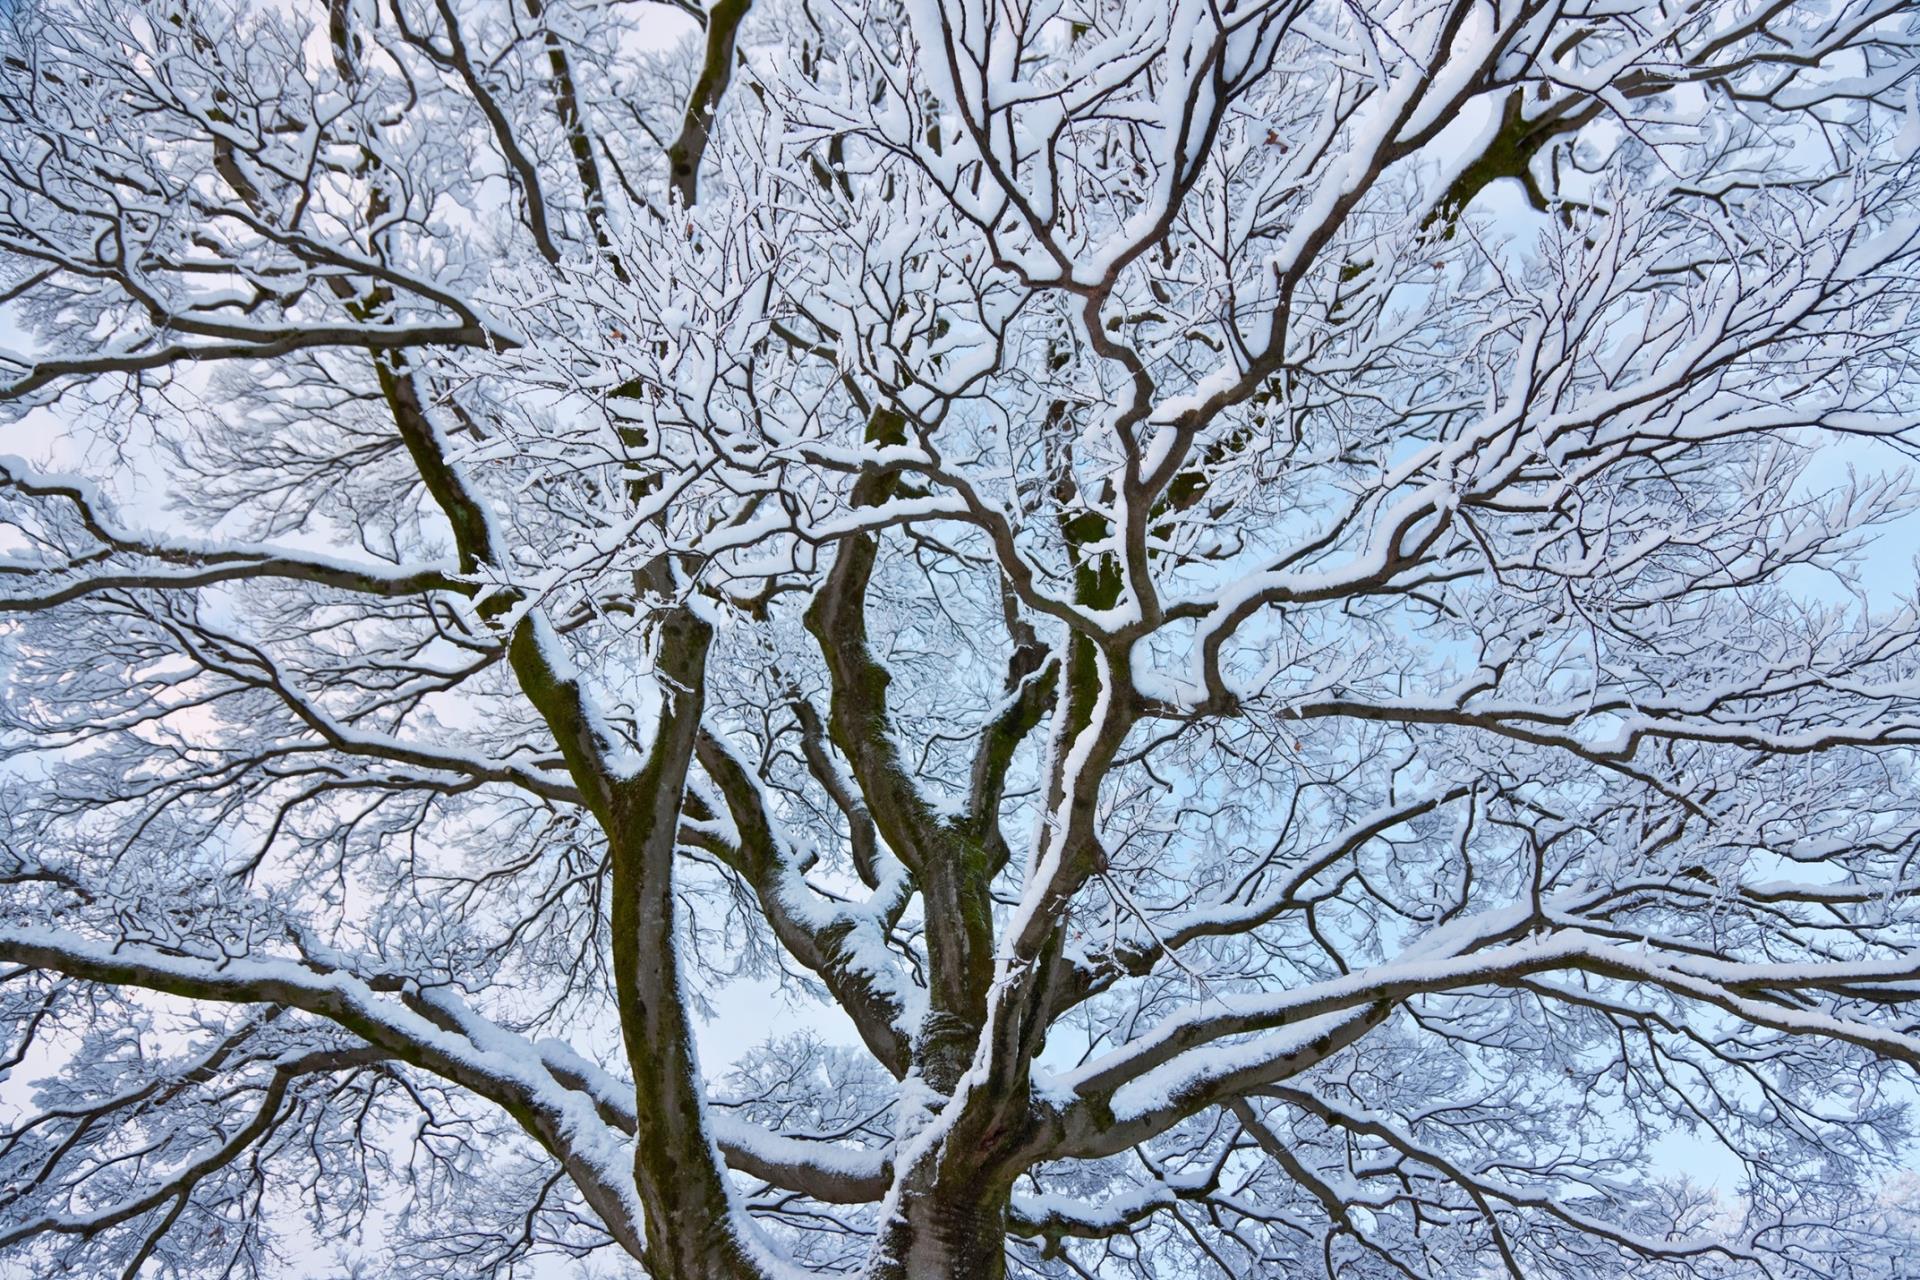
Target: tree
(1260, 595)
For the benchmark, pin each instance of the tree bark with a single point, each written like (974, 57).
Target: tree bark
(690, 1231)
(949, 1223)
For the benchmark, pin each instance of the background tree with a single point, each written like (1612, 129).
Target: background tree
(1259, 594)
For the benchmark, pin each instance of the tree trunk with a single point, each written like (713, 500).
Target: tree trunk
(690, 1231)
(954, 1229)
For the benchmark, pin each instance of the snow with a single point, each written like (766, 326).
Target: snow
(1471, 789)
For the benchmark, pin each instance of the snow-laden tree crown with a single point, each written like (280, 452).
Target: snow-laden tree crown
(1257, 603)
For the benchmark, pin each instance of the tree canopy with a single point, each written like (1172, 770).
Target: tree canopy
(1262, 602)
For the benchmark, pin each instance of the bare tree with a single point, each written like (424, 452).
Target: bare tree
(1261, 594)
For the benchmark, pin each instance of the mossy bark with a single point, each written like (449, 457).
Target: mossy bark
(953, 1230)
(689, 1230)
